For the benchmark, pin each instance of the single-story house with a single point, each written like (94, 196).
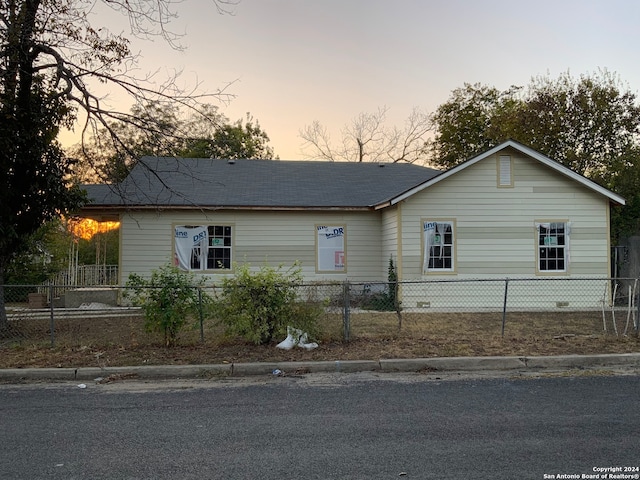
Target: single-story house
(508, 212)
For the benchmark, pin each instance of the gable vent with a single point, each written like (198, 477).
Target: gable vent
(505, 171)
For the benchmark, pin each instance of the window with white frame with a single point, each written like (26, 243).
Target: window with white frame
(553, 246)
(331, 248)
(438, 241)
(199, 247)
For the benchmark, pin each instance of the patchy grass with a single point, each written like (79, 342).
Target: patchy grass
(111, 341)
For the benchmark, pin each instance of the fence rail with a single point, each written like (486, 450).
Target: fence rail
(584, 306)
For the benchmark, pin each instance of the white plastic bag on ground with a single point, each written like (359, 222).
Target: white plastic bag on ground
(296, 337)
(303, 342)
(287, 344)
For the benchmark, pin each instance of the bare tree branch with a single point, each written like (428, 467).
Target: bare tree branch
(317, 137)
(368, 139)
(65, 48)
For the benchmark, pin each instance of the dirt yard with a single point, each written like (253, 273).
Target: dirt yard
(374, 335)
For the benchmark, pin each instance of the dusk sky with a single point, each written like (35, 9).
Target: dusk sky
(295, 61)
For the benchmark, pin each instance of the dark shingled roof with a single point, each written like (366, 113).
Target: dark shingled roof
(204, 182)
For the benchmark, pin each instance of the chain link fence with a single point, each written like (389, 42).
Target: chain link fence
(501, 307)
(506, 307)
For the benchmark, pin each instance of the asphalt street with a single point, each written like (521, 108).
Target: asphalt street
(367, 425)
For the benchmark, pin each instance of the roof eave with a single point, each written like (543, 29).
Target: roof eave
(127, 208)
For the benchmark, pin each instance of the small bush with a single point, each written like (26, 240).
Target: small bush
(380, 302)
(259, 306)
(386, 301)
(168, 299)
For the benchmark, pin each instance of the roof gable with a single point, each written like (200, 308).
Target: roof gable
(559, 168)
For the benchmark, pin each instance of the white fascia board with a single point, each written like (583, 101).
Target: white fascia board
(527, 151)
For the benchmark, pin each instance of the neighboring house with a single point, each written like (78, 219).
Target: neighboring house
(509, 212)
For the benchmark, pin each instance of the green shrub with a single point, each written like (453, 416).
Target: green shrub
(259, 306)
(380, 302)
(168, 299)
(388, 300)
(392, 277)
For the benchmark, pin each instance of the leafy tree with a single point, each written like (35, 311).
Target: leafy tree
(471, 121)
(52, 248)
(206, 135)
(369, 139)
(261, 305)
(583, 123)
(624, 179)
(159, 130)
(240, 140)
(50, 54)
(33, 185)
(169, 299)
(45, 253)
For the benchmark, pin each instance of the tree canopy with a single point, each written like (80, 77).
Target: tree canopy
(238, 140)
(469, 122)
(51, 58)
(590, 124)
(583, 123)
(177, 134)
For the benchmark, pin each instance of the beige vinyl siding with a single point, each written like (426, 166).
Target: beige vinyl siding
(389, 238)
(257, 237)
(495, 227)
(496, 238)
(144, 244)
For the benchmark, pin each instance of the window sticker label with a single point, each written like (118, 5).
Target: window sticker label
(331, 255)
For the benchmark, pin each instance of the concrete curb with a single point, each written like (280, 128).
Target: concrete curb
(443, 364)
(453, 364)
(584, 361)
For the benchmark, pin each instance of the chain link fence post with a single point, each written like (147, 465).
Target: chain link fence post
(201, 314)
(637, 319)
(52, 324)
(396, 301)
(346, 321)
(504, 305)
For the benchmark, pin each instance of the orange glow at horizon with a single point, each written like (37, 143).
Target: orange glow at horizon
(86, 228)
